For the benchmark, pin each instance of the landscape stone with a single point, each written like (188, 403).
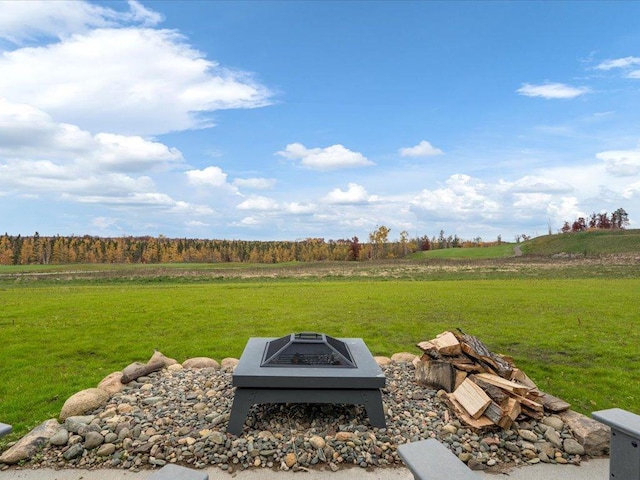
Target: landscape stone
(83, 401)
(591, 434)
(382, 361)
(229, 364)
(28, 445)
(159, 357)
(403, 357)
(175, 367)
(112, 383)
(201, 362)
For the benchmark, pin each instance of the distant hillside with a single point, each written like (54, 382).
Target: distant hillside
(468, 253)
(591, 243)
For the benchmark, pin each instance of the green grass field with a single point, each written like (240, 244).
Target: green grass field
(576, 337)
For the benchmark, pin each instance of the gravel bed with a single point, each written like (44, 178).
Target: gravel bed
(180, 416)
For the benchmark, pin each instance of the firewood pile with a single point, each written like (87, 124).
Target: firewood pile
(482, 388)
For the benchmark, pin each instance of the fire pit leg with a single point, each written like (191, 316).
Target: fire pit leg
(242, 402)
(373, 406)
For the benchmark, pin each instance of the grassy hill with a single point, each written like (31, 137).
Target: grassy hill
(590, 244)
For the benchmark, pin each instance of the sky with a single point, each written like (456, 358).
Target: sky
(300, 119)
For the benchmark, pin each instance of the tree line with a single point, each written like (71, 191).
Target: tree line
(598, 221)
(37, 249)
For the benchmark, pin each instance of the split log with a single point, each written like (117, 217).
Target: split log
(472, 398)
(447, 344)
(460, 376)
(494, 413)
(478, 424)
(495, 393)
(511, 409)
(478, 350)
(519, 376)
(435, 373)
(136, 370)
(506, 385)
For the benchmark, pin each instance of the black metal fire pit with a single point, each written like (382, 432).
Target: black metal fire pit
(306, 368)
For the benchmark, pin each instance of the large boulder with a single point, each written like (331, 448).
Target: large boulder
(403, 357)
(112, 383)
(28, 445)
(201, 362)
(591, 434)
(159, 357)
(83, 402)
(229, 364)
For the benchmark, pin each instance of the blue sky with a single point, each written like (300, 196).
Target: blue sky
(287, 120)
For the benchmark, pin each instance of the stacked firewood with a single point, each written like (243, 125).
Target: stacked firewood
(482, 388)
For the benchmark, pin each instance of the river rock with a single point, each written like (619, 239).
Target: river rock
(201, 362)
(93, 440)
(554, 422)
(572, 447)
(528, 435)
(60, 438)
(74, 451)
(31, 442)
(83, 401)
(106, 449)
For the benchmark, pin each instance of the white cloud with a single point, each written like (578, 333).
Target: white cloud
(259, 203)
(355, 194)
(621, 163)
(624, 62)
(551, 90)
(255, 183)
(535, 184)
(210, 176)
(462, 197)
(296, 208)
(142, 81)
(423, 149)
(632, 190)
(329, 158)
(23, 21)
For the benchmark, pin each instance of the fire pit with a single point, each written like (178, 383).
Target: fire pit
(306, 368)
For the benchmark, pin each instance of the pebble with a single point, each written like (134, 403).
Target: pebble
(180, 416)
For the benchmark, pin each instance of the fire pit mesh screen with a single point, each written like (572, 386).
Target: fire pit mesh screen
(307, 350)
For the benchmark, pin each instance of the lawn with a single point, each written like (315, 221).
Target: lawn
(577, 338)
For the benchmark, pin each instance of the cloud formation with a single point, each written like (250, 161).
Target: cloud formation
(142, 81)
(551, 90)
(626, 64)
(330, 158)
(423, 149)
(354, 195)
